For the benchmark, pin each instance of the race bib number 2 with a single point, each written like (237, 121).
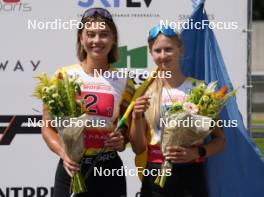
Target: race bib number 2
(98, 103)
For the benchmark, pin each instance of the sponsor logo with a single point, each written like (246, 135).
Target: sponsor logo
(136, 58)
(11, 1)
(14, 6)
(26, 192)
(116, 3)
(19, 66)
(11, 125)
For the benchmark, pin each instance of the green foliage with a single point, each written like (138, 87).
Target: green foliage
(260, 144)
(59, 94)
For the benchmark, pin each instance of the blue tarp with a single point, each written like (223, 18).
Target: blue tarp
(239, 170)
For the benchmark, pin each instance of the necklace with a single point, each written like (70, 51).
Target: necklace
(170, 97)
(167, 90)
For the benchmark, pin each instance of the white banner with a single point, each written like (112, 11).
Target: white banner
(36, 37)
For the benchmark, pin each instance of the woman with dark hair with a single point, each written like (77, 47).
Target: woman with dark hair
(105, 100)
(187, 174)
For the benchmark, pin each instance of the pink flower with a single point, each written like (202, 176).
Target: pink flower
(190, 107)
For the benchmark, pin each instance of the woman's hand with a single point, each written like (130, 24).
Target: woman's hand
(70, 166)
(141, 105)
(179, 154)
(138, 125)
(115, 141)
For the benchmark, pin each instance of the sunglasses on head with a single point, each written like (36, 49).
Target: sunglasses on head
(100, 11)
(165, 30)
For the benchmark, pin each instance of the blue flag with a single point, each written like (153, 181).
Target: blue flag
(239, 170)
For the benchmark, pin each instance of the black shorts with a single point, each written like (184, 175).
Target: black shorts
(187, 180)
(97, 185)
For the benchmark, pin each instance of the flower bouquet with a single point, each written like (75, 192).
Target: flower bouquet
(60, 94)
(193, 117)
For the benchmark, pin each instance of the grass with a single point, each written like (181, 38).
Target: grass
(260, 144)
(257, 130)
(257, 120)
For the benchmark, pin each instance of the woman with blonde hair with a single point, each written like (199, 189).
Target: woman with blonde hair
(187, 175)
